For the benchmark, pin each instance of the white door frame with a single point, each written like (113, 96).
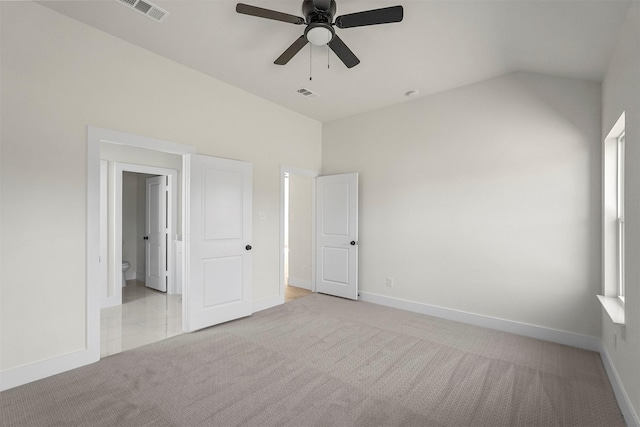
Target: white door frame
(120, 168)
(95, 136)
(292, 170)
(105, 300)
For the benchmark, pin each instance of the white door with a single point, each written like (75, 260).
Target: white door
(218, 241)
(156, 234)
(337, 235)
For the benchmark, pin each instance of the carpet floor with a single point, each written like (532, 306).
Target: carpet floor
(324, 361)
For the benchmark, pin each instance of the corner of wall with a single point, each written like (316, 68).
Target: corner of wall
(626, 407)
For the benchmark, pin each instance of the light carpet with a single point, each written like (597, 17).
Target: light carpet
(324, 361)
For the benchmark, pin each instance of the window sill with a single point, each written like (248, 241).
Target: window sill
(614, 308)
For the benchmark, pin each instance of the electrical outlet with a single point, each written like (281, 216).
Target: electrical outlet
(262, 216)
(390, 282)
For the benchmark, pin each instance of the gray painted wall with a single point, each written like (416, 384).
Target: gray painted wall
(484, 199)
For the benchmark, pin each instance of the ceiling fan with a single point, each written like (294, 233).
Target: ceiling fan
(319, 21)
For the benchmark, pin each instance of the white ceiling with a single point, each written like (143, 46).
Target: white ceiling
(440, 45)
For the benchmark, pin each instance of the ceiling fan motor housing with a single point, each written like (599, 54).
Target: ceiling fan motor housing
(319, 11)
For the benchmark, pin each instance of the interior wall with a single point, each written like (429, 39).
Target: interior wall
(58, 76)
(484, 199)
(620, 93)
(300, 205)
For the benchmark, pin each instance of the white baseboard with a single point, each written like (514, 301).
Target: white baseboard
(626, 407)
(300, 283)
(36, 371)
(586, 342)
(264, 304)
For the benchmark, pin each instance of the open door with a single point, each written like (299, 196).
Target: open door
(337, 235)
(156, 234)
(218, 241)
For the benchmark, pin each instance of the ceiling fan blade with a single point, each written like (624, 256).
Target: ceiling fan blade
(291, 51)
(343, 52)
(246, 9)
(385, 15)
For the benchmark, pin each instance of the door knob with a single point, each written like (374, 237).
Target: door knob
(353, 243)
(145, 238)
(248, 247)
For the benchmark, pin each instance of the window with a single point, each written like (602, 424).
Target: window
(613, 223)
(620, 213)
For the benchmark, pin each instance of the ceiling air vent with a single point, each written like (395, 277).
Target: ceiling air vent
(148, 9)
(307, 93)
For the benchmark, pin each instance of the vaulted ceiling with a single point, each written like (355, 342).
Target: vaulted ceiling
(440, 45)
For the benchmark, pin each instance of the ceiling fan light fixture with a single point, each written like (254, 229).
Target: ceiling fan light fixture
(319, 35)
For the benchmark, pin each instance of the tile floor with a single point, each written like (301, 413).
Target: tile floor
(145, 316)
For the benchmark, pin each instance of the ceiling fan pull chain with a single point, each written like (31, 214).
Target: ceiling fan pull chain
(328, 57)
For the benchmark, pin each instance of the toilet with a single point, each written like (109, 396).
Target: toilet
(125, 267)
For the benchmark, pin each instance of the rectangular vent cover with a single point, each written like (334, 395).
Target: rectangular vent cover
(307, 93)
(147, 9)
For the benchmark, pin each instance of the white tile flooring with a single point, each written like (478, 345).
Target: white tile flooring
(145, 316)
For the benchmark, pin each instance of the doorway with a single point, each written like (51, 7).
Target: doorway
(158, 261)
(145, 301)
(297, 236)
(334, 233)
